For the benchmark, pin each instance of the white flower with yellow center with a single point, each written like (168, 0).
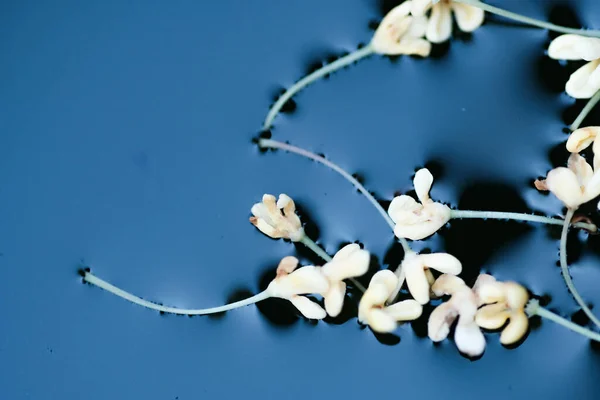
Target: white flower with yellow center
(439, 29)
(415, 220)
(503, 301)
(401, 33)
(372, 310)
(277, 219)
(584, 82)
(462, 305)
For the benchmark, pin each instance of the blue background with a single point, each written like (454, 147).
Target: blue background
(125, 145)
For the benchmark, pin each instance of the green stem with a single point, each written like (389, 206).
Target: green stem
(528, 20)
(307, 80)
(565, 269)
(534, 308)
(94, 280)
(311, 244)
(274, 144)
(517, 217)
(586, 110)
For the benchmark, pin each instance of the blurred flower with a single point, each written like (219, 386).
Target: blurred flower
(580, 139)
(277, 219)
(504, 301)
(462, 305)
(414, 266)
(349, 262)
(372, 310)
(584, 82)
(439, 28)
(291, 282)
(417, 221)
(401, 33)
(575, 185)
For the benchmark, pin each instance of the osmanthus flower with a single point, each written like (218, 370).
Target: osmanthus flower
(468, 18)
(372, 310)
(462, 305)
(580, 139)
(576, 184)
(327, 281)
(349, 262)
(415, 267)
(401, 33)
(415, 220)
(277, 218)
(584, 82)
(502, 301)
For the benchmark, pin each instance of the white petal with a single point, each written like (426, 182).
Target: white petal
(580, 167)
(443, 262)
(406, 310)
(391, 29)
(417, 283)
(440, 23)
(416, 231)
(423, 182)
(492, 316)
(382, 284)
(334, 298)
(516, 295)
(574, 47)
(287, 265)
(412, 46)
(516, 329)
(420, 7)
(418, 27)
(580, 85)
(581, 138)
(380, 321)
(304, 280)
(468, 18)
(403, 207)
(308, 308)
(350, 262)
(592, 190)
(447, 284)
(439, 322)
(563, 183)
(469, 339)
(482, 280)
(285, 201)
(386, 278)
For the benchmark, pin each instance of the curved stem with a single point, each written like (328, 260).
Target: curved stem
(528, 20)
(517, 217)
(565, 269)
(307, 80)
(585, 111)
(274, 144)
(311, 244)
(94, 280)
(533, 308)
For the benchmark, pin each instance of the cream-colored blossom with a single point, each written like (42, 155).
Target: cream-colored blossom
(401, 33)
(468, 18)
(580, 139)
(414, 220)
(576, 184)
(291, 282)
(349, 262)
(415, 266)
(462, 305)
(503, 301)
(277, 219)
(372, 310)
(584, 82)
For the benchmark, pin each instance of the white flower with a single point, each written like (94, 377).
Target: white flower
(349, 262)
(575, 185)
(414, 267)
(462, 304)
(439, 29)
(277, 219)
(504, 301)
(401, 33)
(417, 221)
(372, 310)
(584, 82)
(291, 282)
